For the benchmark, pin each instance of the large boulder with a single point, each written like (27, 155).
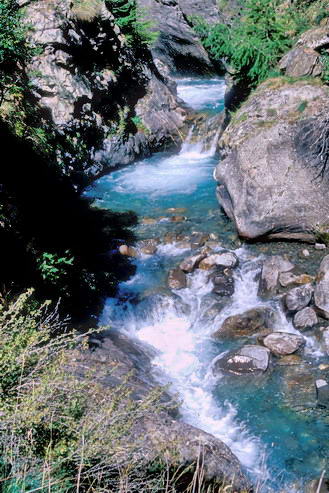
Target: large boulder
(249, 359)
(184, 445)
(246, 324)
(282, 343)
(304, 59)
(321, 292)
(270, 160)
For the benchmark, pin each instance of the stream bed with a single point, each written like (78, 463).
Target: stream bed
(278, 434)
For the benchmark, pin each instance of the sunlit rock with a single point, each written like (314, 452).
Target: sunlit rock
(305, 318)
(248, 359)
(283, 343)
(298, 298)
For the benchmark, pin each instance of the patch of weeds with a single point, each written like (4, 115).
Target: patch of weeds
(302, 106)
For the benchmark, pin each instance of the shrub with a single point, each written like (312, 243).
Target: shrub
(133, 22)
(254, 42)
(14, 48)
(60, 427)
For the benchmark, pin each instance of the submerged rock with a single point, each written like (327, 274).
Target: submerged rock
(305, 318)
(177, 279)
(248, 359)
(298, 298)
(225, 259)
(282, 343)
(266, 177)
(321, 292)
(246, 324)
(314, 485)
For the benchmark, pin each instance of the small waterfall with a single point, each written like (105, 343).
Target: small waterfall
(204, 134)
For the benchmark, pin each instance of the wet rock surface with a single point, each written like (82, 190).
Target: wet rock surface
(248, 359)
(282, 343)
(177, 279)
(298, 298)
(223, 281)
(225, 259)
(272, 267)
(246, 324)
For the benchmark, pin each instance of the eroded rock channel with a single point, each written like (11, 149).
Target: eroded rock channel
(235, 330)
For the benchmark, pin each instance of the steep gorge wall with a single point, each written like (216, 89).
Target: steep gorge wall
(102, 94)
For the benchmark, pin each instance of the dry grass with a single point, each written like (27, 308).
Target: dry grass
(87, 10)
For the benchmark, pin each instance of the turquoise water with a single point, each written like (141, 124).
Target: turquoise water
(280, 443)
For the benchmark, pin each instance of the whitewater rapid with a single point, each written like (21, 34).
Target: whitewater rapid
(178, 326)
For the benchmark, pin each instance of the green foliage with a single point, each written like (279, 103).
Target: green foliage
(254, 43)
(59, 426)
(302, 107)
(54, 267)
(14, 48)
(133, 22)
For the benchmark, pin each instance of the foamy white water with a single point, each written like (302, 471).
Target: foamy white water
(179, 327)
(200, 96)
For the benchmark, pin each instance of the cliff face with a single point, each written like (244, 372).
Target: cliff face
(178, 47)
(97, 88)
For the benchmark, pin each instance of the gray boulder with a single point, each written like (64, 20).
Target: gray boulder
(304, 59)
(321, 292)
(272, 267)
(224, 259)
(248, 359)
(246, 324)
(298, 298)
(282, 343)
(305, 318)
(184, 445)
(269, 162)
